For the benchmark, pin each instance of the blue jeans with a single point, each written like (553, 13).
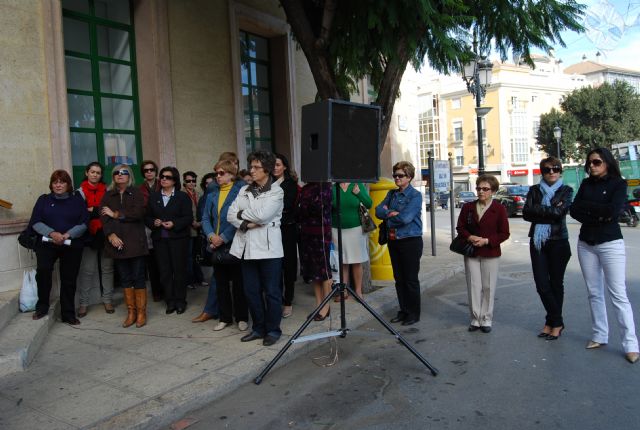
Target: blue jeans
(263, 291)
(211, 307)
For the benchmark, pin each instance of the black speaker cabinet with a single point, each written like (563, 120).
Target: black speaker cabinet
(340, 142)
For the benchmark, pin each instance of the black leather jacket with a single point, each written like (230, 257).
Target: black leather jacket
(556, 214)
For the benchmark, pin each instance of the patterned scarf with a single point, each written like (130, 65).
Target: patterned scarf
(543, 231)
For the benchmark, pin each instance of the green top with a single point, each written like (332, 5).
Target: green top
(349, 203)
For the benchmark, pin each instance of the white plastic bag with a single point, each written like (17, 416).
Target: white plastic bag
(29, 291)
(334, 264)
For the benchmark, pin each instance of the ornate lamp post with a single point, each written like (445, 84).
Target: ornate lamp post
(557, 133)
(477, 75)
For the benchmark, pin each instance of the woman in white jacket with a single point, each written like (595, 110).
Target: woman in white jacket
(256, 214)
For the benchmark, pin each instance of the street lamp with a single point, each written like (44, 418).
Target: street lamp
(557, 133)
(477, 75)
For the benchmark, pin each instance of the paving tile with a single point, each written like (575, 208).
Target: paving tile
(50, 387)
(146, 382)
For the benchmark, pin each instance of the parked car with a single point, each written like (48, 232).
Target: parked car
(464, 197)
(442, 199)
(512, 197)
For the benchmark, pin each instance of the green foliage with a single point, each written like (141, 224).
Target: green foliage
(593, 117)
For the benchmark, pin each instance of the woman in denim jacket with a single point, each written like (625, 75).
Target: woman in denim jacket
(402, 209)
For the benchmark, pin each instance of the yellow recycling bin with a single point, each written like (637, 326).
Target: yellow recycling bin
(380, 261)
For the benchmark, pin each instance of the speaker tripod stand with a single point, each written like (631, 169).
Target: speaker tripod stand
(339, 288)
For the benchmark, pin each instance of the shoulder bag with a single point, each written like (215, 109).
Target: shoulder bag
(366, 222)
(383, 233)
(460, 245)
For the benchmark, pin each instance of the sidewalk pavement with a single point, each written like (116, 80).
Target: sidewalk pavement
(100, 375)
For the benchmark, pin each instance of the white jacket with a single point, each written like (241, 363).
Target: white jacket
(266, 210)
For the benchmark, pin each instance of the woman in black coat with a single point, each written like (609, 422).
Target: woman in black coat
(169, 217)
(546, 209)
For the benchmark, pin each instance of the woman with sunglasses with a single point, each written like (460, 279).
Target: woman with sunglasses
(96, 269)
(485, 225)
(122, 217)
(402, 209)
(60, 217)
(546, 209)
(601, 250)
(195, 277)
(219, 233)
(169, 216)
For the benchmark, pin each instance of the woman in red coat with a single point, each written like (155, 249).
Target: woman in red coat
(484, 224)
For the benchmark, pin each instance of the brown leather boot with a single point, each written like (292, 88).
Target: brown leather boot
(130, 301)
(141, 305)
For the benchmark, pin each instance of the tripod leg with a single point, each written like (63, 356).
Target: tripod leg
(386, 325)
(334, 290)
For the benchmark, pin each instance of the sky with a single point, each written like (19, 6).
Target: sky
(612, 28)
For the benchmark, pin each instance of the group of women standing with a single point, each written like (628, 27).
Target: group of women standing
(601, 250)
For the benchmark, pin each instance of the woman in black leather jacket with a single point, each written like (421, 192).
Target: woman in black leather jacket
(546, 208)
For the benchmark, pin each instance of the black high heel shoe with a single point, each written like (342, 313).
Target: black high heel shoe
(552, 337)
(544, 334)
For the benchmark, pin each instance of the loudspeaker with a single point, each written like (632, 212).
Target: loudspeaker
(340, 142)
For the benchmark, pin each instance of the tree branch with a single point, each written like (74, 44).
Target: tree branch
(327, 21)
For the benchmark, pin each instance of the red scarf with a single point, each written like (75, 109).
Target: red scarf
(93, 196)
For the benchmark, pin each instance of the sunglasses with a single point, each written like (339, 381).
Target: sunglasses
(483, 189)
(595, 162)
(168, 178)
(554, 169)
(221, 173)
(189, 181)
(152, 169)
(398, 176)
(122, 172)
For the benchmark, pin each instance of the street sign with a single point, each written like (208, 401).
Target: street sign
(441, 176)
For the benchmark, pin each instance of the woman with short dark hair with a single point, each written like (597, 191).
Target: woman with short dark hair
(601, 249)
(122, 217)
(485, 225)
(60, 218)
(256, 213)
(169, 216)
(546, 208)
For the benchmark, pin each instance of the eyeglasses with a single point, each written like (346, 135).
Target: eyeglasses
(255, 167)
(399, 176)
(168, 178)
(189, 181)
(122, 172)
(483, 189)
(553, 169)
(595, 162)
(149, 170)
(221, 173)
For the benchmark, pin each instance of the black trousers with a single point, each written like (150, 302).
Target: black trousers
(131, 272)
(290, 261)
(154, 276)
(70, 258)
(171, 257)
(405, 259)
(549, 265)
(231, 300)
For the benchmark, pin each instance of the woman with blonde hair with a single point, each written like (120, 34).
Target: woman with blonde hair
(123, 224)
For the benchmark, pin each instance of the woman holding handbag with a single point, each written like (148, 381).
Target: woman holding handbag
(355, 245)
(401, 209)
(220, 233)
(484, 224)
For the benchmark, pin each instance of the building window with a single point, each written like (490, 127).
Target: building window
(519, 136)
(457, 131)
(536, 127)
(455, 103)
(102, 89)
(256, 92)
(429, 128)
(459, 154)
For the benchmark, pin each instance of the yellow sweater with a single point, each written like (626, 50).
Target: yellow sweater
(224, 192)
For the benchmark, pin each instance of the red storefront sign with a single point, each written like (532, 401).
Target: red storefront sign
(536, 171)
(519, 172)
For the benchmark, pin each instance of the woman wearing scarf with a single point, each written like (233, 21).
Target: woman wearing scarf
(96, 269)
(546, 208)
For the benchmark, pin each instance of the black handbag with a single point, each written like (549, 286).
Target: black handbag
(383, 233)
(366, 222)
(28, 238)
(202, 250)
(460, 245)
(221, 255)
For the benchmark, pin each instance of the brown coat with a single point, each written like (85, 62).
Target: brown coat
(494, 226)
(129, 226)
